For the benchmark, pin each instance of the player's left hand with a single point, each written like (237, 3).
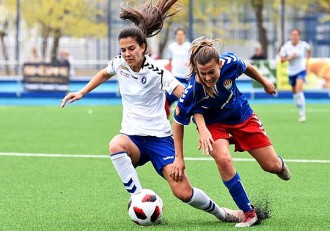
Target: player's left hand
(270, 88)
(205, 141)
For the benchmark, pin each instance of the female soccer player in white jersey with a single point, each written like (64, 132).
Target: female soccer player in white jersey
(295, 52)
(223, 116)
(179, 62)
(145, 133)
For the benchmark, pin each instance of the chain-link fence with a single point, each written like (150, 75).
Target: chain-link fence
(237, 27)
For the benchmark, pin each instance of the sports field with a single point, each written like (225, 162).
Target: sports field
(83, 191)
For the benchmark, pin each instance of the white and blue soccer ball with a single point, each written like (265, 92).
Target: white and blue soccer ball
(145, 208)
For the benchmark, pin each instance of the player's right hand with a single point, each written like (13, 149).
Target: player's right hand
(293, 56)
(269, 87)
(205, 141)
(178, 168)
(71, 97)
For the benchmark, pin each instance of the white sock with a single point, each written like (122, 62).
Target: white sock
(299, 99)
(295, 99)
(126, 171)
(301, 104)
(200, 200)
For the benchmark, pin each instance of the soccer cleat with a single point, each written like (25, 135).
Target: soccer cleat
(285, 174)
(249, 220)
(302, 119)
(233, 215)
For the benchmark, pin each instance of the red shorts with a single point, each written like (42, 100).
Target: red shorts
(249, 135)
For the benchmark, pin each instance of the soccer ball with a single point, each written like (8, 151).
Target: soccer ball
(145, 207)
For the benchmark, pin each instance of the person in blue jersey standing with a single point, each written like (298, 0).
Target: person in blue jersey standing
(296, 52)
(223, 117)
(145, 134)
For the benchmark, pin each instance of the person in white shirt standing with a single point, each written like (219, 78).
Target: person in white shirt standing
(145, 133)
(296, 52)
(178, 52)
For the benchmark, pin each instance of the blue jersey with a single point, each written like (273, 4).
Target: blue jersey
(229, 106)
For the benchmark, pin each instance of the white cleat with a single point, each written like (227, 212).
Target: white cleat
(233, 215)
(285, 174)
(302, 119)
(249, 220)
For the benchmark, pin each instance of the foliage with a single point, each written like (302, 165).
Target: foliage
(77, 18)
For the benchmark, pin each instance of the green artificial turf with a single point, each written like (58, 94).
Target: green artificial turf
(48, 193)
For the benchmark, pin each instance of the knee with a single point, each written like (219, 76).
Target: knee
(117, 145)
(224, 161)
(274, 167)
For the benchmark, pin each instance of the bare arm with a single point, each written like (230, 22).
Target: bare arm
(178, 165)
(178, 132)
(97, 80)
(178, 90)
(284, 59)
(253, 73)
(288, 58)
(170, 62)
(205, 139)
(309, 54)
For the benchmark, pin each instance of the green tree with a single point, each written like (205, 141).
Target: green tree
(55, 18)
(258, 7)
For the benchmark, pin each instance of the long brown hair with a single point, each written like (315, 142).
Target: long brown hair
(148, 19)
(203, 51)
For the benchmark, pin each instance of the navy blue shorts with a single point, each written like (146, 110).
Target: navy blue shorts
(158, 150)
(172, 98)
(293, 78)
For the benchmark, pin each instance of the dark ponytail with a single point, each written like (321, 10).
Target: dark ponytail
(148, 19)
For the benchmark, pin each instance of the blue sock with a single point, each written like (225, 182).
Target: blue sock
(238, 193)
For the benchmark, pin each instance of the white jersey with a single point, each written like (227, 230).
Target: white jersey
(143, 97)
(180, 59)
(297, 64)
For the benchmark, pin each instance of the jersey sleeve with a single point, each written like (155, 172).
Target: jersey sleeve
(241, 66)
(168, 82)
(113, 64)
(233, 65)
(308, 47)
(170, 52)
(185, 108)
(282, 52)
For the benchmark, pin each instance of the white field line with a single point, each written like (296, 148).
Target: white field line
(15, 154)
(294, 110)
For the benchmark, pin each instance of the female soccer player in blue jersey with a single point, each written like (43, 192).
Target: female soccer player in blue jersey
(223, 116)
(145, 131)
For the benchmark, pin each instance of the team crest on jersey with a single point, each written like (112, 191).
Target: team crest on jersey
(228, 84)
(143, 80)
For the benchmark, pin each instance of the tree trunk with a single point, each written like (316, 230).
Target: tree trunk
(57, 37)
(165, 36)
(4, 51)
(258, 6)
(45, 36)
